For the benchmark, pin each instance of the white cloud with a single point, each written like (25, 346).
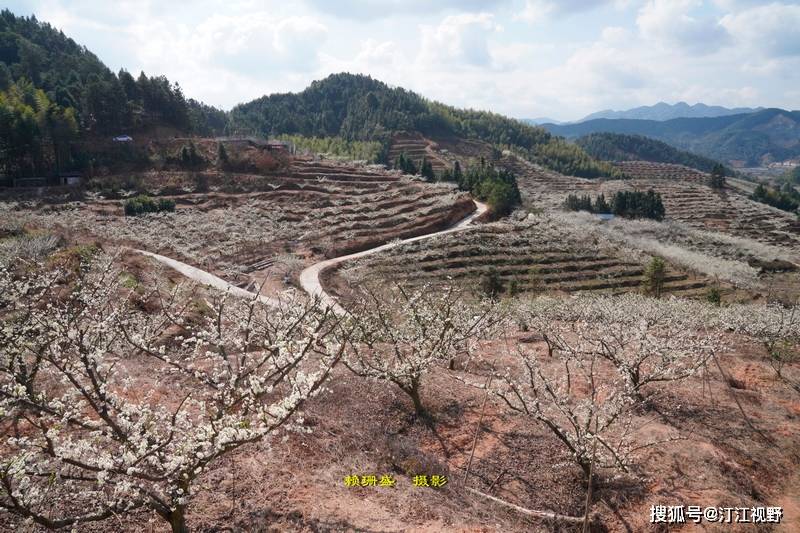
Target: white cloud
(772, 29)
(467, 53)
(670, 23)
(379, 9)
(538, 10)
(458, 40)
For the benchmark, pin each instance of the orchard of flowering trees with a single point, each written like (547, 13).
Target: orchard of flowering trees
(87, 434)
(603, 356)
(89, 437)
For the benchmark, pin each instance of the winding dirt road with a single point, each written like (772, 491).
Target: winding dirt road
(207, 278)
(309, 278)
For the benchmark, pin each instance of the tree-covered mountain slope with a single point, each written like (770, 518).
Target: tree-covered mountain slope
(58, 101)
(620, 147)
(357, 107)
(73, 77)
(754, 138)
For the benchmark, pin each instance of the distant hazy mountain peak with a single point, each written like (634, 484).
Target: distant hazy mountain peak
(664, 111)
(541, 120)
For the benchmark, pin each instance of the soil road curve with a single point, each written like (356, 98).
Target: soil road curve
(309, 278)
(207, 278)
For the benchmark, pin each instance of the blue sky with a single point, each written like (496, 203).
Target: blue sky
(525, 58)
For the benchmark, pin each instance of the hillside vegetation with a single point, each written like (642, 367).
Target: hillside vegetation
(619, 147)
(104, 102)
(360, 108)
(771, 134)
(57, 98)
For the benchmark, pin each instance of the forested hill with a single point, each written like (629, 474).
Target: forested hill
(619, 147)
(771, 134)
(357, 107)
(34, 55)
(57, 100)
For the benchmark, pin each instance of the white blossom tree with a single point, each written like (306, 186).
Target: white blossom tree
(601, 354)
(646, 340)
(591, 416)
(107, 408)
(400, 334)
(775, 326)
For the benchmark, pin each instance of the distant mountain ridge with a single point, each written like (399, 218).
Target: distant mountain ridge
(751, 139)
(664, 111)
(541, 120)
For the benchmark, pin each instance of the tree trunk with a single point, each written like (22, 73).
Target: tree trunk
(586, 466)
(413, 391)
(177, 520)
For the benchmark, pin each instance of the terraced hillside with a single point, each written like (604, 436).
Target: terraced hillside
(236, 222)
(667, 171)
(416, 147)
(542, 188)
(686, 197)
(725, 211)
(537, 254)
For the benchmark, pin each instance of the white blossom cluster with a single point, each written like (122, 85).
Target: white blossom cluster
(401, 334)
(775, 326)
(116, 408)
(215, 236)
(603, 353)
(713, 254)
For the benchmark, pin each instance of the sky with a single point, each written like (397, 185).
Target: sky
(561, 59)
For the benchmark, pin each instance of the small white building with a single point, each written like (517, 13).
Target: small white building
(122, 139)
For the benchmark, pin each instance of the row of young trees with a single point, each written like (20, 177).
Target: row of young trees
(407, 165)
(629, 204)
(370, 151)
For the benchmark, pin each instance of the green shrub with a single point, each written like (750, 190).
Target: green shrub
(496, 187)
(491, 283)
(654, 276)
(144, 204)
(714, 296)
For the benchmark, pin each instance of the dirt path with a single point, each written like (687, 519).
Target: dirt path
(309, 278)
(206, 278)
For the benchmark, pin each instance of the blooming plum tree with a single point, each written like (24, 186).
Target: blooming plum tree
(645, 340)
(602, 352)
(401, 334)
(88, 428)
